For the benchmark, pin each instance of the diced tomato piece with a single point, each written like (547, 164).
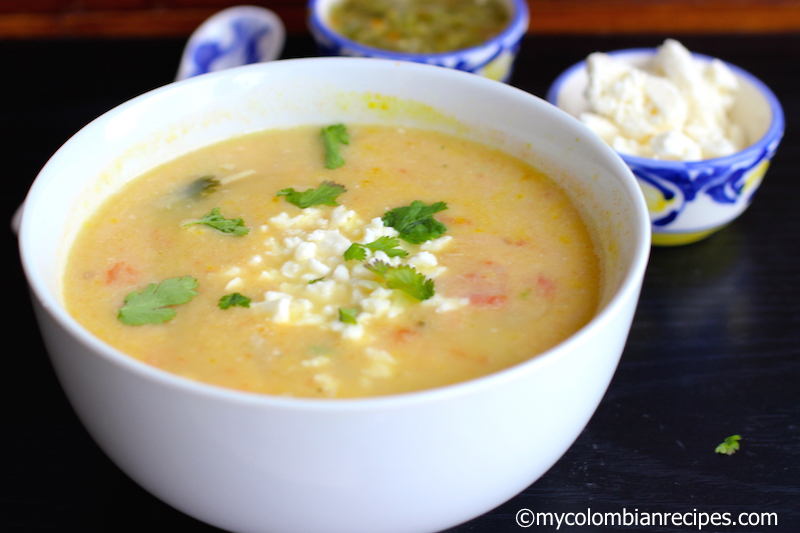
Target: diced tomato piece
(546, 286)
(121, 272)
(488, 300)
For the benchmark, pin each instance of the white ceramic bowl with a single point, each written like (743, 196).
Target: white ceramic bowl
(414, 462)
(690, 200)
(493, 59)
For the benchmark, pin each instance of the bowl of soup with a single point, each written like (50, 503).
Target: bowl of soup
(482, 37)
(335, 294)
(698, 133)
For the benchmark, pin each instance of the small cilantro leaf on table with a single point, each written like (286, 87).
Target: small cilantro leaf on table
(388, 245)
(403, 278)
(729, 445)
(151, 306)
(230, 300)
(332, 138)
(325, 194)
(415, 222)
(229, 226)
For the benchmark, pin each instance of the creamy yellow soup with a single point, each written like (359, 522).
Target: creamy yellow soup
(279, 305)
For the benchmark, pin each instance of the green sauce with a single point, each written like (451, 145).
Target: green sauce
(420, 26)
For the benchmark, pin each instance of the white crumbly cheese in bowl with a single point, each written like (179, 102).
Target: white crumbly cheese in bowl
(677, 109)
(302, 259)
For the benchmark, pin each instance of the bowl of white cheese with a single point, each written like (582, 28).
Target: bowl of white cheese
(697, 132)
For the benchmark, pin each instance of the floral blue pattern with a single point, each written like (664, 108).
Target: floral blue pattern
(721, 180)
(233, 37)
(246, 36)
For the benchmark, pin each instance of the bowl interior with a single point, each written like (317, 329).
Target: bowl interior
(183, 116)
(752, 108)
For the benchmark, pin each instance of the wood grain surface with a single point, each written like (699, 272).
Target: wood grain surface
(714, 349)
(177, 18)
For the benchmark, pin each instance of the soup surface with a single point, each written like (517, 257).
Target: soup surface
(250, 264)
(420, 26)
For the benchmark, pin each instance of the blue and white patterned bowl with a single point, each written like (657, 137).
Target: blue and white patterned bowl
(690, 200)
(493, 59)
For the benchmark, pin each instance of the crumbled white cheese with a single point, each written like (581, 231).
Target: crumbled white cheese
(305, 280)
(342, 217)
(443, 304)
(381, 364)
(678, 109)
(234, 284)
(277, 305)
(341, 273)
(675, 142)
(427, 264)
(316, 362)
(375, 230)
(436, 245)
(326, 384)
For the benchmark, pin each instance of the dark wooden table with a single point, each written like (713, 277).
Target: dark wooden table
(714, 349)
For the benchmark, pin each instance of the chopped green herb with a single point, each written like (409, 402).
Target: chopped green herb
(356, 251)
(348, 315)
(415, 222)
(230, 300)
(729, 445)
(151, 305)
(403, 278)
(313, 281)
(388, 245)
(332, 137)
(230, 226)
(202, 187)
(325, 194)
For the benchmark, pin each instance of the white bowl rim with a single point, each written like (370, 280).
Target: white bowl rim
(773, 133)
(628, 288)
(514, 31)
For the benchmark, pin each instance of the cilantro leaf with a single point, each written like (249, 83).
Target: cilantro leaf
(332, 137)
(230, 226)
(378, 267)
(356, 251)
(348, 315)
(403, 278)
(388, 245)
(729, 445)
(415, 222)
(151, 305)
(325, 194)
(234, 299)
(202, 187)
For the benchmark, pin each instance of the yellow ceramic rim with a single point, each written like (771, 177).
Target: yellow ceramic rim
(679, 239)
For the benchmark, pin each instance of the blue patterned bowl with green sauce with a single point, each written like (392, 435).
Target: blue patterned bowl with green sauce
(493, 58)
(690, 200)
